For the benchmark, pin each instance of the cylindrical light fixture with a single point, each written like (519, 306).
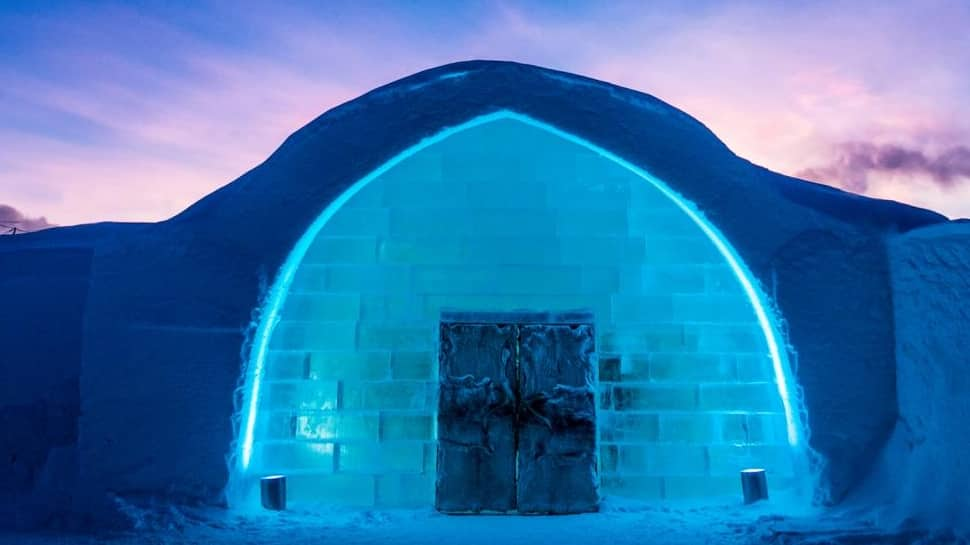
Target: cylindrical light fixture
(754, 484)
(272, 492)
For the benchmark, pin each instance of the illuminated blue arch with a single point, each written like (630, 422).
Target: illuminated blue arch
(279, 291)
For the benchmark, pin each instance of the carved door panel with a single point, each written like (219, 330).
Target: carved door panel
(476, 418)
(557, 420)
(516, 417)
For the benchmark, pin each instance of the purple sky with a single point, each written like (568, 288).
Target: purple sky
(120, 111)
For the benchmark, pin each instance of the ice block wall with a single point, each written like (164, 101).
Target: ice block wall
(509, 216)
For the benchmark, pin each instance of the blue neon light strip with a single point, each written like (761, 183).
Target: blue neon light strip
(281, 286)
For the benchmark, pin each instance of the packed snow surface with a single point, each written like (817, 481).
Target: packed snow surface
(923, 474)
(614, 524)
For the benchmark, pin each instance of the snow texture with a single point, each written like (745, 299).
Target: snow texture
(43, 295)
(923, 473)
(156, 350)
(616, 524)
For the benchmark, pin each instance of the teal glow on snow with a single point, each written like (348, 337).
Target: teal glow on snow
(281, 288)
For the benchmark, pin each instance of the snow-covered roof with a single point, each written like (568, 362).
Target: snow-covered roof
(345, 143)
(319, 161)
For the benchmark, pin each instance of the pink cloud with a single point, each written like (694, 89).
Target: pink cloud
(855, 163)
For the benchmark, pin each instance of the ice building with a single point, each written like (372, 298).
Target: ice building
(484, 287)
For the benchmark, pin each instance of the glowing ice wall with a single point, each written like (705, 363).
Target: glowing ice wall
(507, 216)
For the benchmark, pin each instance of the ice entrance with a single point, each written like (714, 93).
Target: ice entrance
(516, 414)
(502, 214)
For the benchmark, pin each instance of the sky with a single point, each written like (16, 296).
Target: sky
(132, 111)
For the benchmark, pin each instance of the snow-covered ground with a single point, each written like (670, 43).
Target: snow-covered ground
(615, 525)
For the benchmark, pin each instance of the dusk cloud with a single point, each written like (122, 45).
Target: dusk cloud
(856, 164)
(12, 220)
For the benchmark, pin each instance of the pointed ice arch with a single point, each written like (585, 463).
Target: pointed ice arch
(499, 213)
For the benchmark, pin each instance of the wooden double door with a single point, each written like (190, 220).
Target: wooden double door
(516, 413)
